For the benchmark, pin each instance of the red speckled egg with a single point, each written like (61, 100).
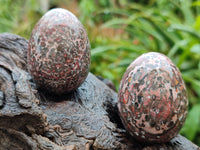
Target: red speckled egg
(59, 52)
(152, 98)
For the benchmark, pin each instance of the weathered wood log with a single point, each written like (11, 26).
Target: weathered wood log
(87, 118)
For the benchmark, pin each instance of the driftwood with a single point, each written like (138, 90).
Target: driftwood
(84, 119)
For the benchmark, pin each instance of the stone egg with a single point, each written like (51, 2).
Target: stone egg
(152, 99)
(59, 52)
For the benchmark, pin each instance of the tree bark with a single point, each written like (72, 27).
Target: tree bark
(86, 118)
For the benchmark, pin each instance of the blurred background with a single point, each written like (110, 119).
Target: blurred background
(121, 30)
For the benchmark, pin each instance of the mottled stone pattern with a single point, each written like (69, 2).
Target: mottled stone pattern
(59, 52)
(152, 98)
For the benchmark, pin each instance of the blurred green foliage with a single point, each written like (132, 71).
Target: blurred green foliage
(121, 30)
(19, 16)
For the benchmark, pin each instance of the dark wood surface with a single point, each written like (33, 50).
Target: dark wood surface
(86, 118)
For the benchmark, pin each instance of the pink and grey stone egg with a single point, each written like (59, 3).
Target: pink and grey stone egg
(59, 52)
(152, 98)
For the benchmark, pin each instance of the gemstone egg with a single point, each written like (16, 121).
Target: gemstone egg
(152, 98)
(59, 52)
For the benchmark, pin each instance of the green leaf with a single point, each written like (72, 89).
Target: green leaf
(197, 23)
(125, 62)
(196, 3)
(186, 29)
(113, 11)
(199, 65)
(176, 46)
(114, 22)
(195, 48)
(101, 49)
(194, 119)
(187, 11)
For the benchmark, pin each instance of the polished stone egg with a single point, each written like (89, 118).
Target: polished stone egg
(152, 98)
(59, 52)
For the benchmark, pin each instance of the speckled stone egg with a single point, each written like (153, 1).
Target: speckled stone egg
(59, 52)
(152, 99)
